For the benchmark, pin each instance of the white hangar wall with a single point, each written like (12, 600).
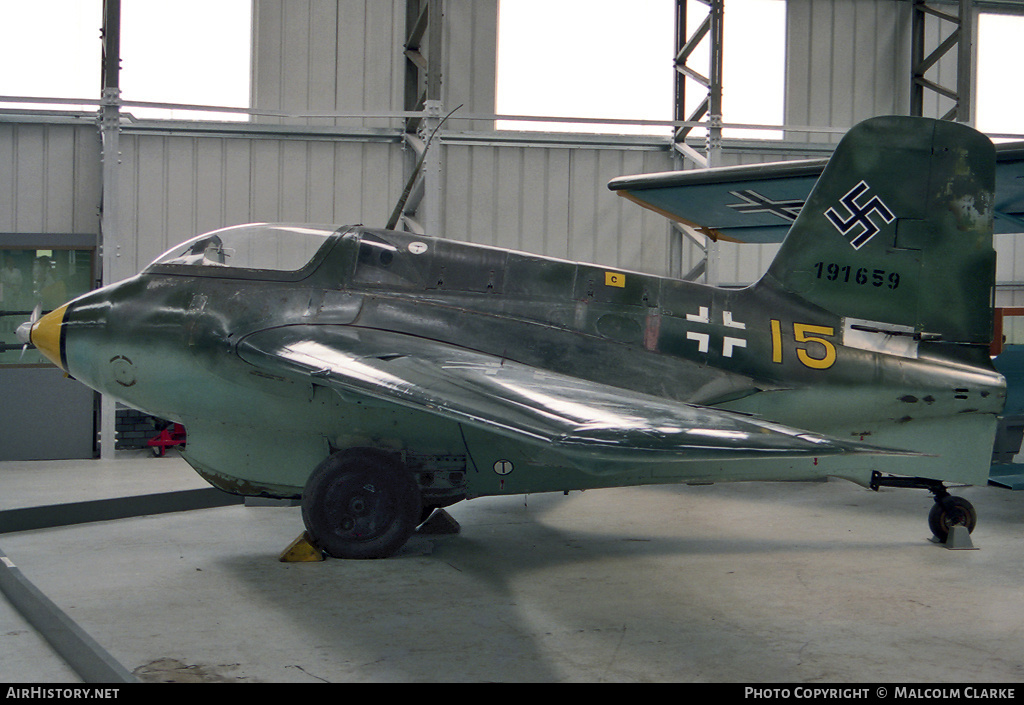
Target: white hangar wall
(345, 56)
(848, 60)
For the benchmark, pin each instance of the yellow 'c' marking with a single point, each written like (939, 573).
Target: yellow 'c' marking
(615, 279)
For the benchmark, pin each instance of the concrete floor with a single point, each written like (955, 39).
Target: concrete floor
(809, 583)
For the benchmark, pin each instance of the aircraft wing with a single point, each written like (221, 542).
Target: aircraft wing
(758, 202)
(576, 417)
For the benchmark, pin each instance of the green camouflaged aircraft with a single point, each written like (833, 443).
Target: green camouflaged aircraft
(380, 375)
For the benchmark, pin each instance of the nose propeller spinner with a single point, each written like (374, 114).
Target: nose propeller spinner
(24, 331)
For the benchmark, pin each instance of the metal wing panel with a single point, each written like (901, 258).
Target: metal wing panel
(574, 416)
(1009, 195)
(758, 202)
(749, 203)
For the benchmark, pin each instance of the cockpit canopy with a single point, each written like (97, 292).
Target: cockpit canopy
(256, 246)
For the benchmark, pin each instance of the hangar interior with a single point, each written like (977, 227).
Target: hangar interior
(383, 112)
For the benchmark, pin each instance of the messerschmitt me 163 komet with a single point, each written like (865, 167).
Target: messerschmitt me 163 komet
(380, 375)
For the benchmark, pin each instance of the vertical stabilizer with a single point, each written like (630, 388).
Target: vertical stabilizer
(898, 229)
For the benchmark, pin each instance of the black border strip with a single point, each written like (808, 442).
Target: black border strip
(52, 515)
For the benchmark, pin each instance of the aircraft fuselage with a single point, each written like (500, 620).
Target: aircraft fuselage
(166, 342)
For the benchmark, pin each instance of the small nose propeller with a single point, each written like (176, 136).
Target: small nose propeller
(24, 331)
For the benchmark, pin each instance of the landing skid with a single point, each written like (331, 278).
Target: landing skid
(948, 512)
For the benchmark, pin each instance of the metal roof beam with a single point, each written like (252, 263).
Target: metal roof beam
(960, 38)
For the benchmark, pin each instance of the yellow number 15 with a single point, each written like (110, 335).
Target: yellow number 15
(823, 357)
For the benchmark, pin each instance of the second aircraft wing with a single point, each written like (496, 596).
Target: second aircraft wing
(758, 202)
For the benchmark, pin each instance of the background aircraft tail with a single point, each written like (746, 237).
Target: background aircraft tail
(898, 230)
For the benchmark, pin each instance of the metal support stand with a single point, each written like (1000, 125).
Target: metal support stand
(432, 170)
(711, 105)
(960, 37)
(711, 28)
(110, 134)
(419, 209)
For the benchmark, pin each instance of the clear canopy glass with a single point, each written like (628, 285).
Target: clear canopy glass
(259, 246)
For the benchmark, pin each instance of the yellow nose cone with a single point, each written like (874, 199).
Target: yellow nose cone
(46, 335)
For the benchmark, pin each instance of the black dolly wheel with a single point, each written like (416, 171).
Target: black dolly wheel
(361, 503)
(950, 511)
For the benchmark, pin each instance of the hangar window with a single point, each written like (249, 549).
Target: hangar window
(211, 43)
(585, 59)
(609, 59)
(754, 81)
(64, 57)
(36, 272)
(998, 105)
(210, 66)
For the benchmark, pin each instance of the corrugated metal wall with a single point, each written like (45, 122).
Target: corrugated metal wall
(847, 60)
(330, 56)
(49, 178)
(338, 56)
(554, 201)
(175, 186)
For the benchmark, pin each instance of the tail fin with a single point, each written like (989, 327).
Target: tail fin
(898, 229)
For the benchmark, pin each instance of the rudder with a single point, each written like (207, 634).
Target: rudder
(898, 230)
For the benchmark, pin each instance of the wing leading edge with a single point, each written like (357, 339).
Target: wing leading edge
(583, 420)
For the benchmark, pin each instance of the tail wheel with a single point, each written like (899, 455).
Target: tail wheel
(950, 511)
(361, 503)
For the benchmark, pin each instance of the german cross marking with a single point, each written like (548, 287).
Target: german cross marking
(703, 340)
(753, 202)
